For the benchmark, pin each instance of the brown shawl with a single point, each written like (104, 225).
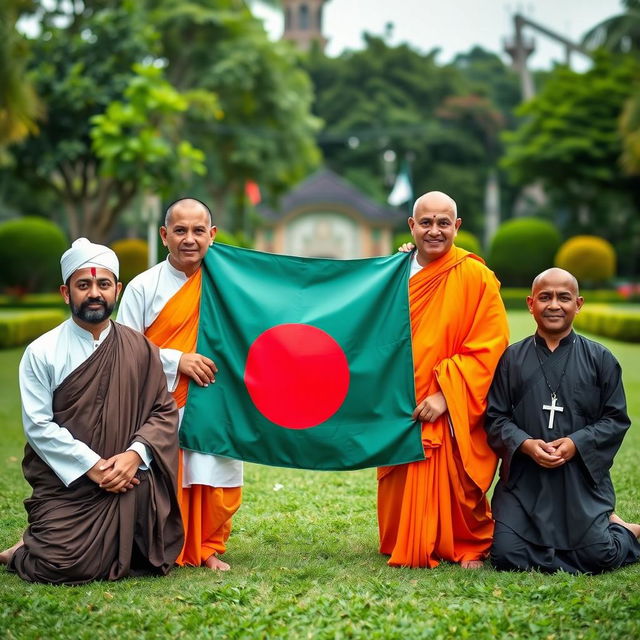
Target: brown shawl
(82, 532)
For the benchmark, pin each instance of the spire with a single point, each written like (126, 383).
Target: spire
(303, 23)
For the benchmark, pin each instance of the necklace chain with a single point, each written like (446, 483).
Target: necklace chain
(564, 367)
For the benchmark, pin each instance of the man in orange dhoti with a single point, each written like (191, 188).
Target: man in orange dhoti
(437, 509)
(164, 304)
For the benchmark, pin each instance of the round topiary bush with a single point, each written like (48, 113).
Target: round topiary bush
(30, 256)
(466, 240)
(591, 259)
(521, 249)
(132, 254)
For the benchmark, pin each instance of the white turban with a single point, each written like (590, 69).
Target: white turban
(83, 254)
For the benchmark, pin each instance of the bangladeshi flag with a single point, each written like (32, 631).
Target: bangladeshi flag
(314, 362)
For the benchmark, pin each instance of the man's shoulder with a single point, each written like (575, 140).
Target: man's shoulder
(595, 348)
(516, 347)
(42, 345)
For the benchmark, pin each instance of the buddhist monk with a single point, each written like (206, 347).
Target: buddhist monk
(437, 509)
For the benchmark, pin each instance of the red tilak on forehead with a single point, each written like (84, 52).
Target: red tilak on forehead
(93, 272)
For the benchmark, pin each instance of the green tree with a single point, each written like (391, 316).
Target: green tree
(266, 132)
(620, 33)
(440, 118)
(19, 105)
(569, 139)
(86, 68)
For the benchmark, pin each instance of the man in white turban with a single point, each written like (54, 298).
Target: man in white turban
(102, 451)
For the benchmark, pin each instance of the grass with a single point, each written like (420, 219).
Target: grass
(305, 565)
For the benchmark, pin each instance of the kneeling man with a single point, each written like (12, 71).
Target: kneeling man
(556, 416)
(102, 449)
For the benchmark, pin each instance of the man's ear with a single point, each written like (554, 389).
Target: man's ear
(163, 235)
(64, 292)
(530, 304)
(579, 303)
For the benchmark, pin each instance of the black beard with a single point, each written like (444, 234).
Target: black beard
(92, 316)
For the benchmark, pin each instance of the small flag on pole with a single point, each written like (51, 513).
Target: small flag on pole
(402, 191)
(252, 191)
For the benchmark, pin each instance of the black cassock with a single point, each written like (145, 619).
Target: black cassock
(552, 519)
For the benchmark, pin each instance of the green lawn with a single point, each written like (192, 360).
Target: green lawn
(305, 565)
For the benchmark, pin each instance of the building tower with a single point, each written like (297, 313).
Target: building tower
(303, 23)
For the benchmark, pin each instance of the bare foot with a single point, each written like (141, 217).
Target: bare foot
(634, 528)
(7, 554)
(472, 564)
(215, 564)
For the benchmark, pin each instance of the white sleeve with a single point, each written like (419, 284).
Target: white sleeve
(131, 313)
(68, 458)
(143, 451)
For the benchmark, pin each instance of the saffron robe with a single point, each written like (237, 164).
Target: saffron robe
(81, 533)
(552, 519)
(437, 509)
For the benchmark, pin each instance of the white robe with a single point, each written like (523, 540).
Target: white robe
(143, 300)
(45, 364)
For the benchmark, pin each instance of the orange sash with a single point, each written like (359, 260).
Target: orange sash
(437, 509)
(176, 327)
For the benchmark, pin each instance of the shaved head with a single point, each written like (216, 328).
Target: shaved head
(436, 201)
(555, 274)
(186, 204)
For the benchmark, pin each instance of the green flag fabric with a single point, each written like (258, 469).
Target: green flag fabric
(314, 360)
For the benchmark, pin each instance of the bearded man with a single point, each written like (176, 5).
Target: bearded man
(101, 429)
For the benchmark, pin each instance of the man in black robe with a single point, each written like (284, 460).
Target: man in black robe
(556, 416)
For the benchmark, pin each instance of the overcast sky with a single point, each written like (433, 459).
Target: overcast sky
(455, 26)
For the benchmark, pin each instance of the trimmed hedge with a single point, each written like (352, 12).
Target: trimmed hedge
(521, 249)
(610, 322)
(132, 256)
(589, 258)
(20, 327)
(515, 297)
(30, 256)
(466, 240)
(33, 301)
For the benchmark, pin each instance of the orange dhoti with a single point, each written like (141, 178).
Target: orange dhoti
(437, 509)
(206, 511)
(206, 516)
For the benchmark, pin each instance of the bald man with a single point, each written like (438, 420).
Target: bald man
(164, 303)
(437, 509)
(556, 417)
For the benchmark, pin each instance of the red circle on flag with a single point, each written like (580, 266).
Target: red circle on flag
(297, 375)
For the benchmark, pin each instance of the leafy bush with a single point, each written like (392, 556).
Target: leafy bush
(30, 256)
(133, 255)
(590, 259)
(33, 301)
(515, 298)
(466, 240)
(521, 249)
(610, 322)
(20, 327)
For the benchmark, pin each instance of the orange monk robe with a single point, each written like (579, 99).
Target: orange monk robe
(437, 509)
(206, 511)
